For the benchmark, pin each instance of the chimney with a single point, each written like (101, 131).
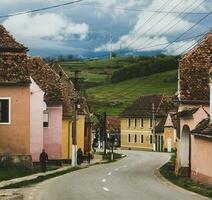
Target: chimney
(210, 84)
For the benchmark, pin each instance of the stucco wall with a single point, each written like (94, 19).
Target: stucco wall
(53, 134)
(138, 130)
(36, 120)
(191, 122)
(201, 160)
(15, 137)
(169, 133)
(80, 135)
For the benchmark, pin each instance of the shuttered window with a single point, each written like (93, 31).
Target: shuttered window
(46, 119)
(4, 111)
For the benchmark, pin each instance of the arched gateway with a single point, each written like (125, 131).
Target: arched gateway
(185, 151)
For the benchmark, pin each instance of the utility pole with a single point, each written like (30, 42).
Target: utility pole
(74, 127)
(111, 46)
(105, 132)
(153, 127)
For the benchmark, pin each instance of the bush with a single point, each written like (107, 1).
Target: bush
(145, 67)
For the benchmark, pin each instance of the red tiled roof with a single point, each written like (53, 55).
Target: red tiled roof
(113, 124)
(13, 68)
(142, 107)
(8, 43)
(70, 92)
(194, 72)
(46, 79)
(203, 129)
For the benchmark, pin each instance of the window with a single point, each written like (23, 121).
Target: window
(150, 139)
(4, 110)
(142, 122)
(135, 122)
(45, 119)
(150, 123)
(142, 138)
(129, 121)
(135, 138)
(129, 138)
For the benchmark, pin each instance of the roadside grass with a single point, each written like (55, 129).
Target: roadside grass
(114, 98)
(168, 172)
(11, 172)
(39, 179)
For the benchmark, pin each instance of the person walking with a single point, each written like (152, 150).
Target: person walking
(79, 156)
(43, 160)
(89, 157)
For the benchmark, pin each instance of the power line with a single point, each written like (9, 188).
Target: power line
(164, 30)
(155, 24)
(149, 19)
(149, 47)
(40, 9)
(140, 10)
(199, 21)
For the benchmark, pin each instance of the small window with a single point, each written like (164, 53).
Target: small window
(150, 139)
(129, 138)
(142, 138)
(46, 119)
(5, 110)
(150, 122)
(135, 122)
(129, 122)
(135, 138)
(142, 122)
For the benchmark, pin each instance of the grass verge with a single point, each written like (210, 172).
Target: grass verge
(168, 172)
(11, 172)
(39, 179)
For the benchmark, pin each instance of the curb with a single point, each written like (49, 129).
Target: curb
(171, 184)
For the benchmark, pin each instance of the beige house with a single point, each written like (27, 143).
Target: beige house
(137, 122)
(194, 134)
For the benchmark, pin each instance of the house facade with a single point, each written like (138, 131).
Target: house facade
(83, 116)
(193, 100)
(14, 97)
(170, 132)
(137, 122)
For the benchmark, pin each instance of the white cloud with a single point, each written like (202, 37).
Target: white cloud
(47, 25)
(154, 29)
(180, 47)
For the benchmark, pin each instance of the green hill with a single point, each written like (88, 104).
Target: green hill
(113, 98)
(103, 95)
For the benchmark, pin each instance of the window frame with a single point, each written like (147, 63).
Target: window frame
(129, 138)
(9, 112)
(135, 138)
(150, 123)
(141, 138)
(135, 122)
(46, 112)
(151, 139)
(129, 122)
(142, 123)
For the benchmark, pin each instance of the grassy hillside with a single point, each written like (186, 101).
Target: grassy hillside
(113, 98)
(103, 95)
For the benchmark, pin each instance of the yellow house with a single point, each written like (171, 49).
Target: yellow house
(70, 95)
(67, 136)
(137, 122)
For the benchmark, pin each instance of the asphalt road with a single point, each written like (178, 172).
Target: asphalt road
(131, 178)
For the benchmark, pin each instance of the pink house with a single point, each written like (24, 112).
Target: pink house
(47, 109)
(193, 136)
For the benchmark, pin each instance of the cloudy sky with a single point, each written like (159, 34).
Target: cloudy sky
(93, 27)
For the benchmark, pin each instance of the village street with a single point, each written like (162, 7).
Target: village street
(130, 178)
